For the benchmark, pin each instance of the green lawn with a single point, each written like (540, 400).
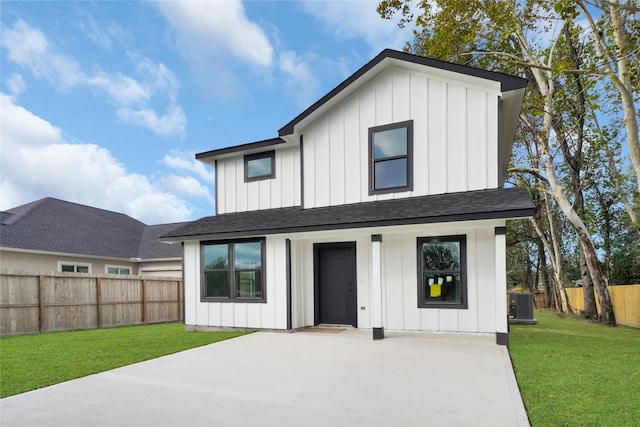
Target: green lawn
(29, 362)
(575, 373)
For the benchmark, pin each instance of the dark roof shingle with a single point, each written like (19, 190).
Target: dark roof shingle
(53, 225)
(473, 205)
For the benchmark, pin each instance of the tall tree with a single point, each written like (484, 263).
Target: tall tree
(521, 37)
(617, 40)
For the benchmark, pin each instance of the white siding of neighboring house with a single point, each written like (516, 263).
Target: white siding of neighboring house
(161, 268)
(399, 281)
(235, 195)
(30, 262)
(455, 138)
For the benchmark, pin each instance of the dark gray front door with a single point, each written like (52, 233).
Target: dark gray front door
(335, 283)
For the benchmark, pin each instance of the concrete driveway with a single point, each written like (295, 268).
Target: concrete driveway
(311, 378)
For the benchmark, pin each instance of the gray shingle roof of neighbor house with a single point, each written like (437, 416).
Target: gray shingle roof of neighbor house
(53, 225)
(472, 205)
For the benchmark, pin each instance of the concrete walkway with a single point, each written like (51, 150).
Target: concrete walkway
(311, 378)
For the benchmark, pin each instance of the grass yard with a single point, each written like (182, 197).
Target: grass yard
(575, 373)
(29, 362)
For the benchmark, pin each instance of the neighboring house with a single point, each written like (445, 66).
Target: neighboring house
(51, 235)
(381, 206)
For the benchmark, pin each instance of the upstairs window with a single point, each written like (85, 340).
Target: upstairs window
(233, 271)
(259, 166)
(391, 158)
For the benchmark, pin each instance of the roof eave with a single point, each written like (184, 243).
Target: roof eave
(210, 156)
(477, 216)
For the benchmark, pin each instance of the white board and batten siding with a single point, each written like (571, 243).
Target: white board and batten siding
(269, 315)
(236, 195)
(400, 278)
(455, 138)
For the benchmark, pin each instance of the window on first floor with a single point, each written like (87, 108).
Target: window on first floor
(391, 158)
(259, 166)
(73, 267)
(117, 269)
(233, 271)
(442, 272)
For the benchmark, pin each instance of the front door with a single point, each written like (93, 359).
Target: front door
(335, 283)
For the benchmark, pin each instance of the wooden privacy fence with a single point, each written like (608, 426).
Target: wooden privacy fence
(625, 300)
(64, 301)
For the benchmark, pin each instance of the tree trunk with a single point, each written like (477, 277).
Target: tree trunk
(543, 274)
(590, 308)
(600, 281)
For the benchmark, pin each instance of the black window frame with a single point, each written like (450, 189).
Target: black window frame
(258, 156)
(422, 300)
(408, 124)
(231, 273)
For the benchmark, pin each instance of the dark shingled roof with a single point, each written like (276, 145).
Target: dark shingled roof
(54, 225)
(473, 205)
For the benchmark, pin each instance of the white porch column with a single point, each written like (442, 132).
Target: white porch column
(502, 322)
(376, 287)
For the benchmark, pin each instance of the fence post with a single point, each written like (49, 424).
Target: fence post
(143, 295)
(180, 304)
(40, 304)
(99, 300)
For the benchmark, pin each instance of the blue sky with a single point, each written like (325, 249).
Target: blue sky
(106, 103)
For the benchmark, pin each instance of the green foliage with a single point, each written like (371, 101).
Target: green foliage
(29, 362)
(575, 373)
(441, 256)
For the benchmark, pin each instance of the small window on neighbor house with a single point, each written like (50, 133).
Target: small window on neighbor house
(442, 272)
(259, 166)
(73, 267)
(391, 158)
(112, 269)
(233, 271)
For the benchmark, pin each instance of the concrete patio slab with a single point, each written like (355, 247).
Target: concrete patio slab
(293, 379)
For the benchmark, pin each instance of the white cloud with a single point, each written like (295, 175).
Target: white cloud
(38, 162)
(217, 37)
(210, 26)
(186, 185)
(186, 161)
(305, 83)
(359, 19)
(29, 48)
(16, 84)
(172, 122)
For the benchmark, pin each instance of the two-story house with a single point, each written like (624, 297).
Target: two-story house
(381, 206)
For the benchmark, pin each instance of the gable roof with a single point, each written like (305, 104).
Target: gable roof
(53, 225)
(472, 205)
(387, 57)
(512, 88)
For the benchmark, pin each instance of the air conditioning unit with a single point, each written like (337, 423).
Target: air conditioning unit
(521, 308)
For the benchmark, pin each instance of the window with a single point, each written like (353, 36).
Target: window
(259, 166)
(390, 158)
(442, 269)
(117, 269)
(73, 267)
(233, 271)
